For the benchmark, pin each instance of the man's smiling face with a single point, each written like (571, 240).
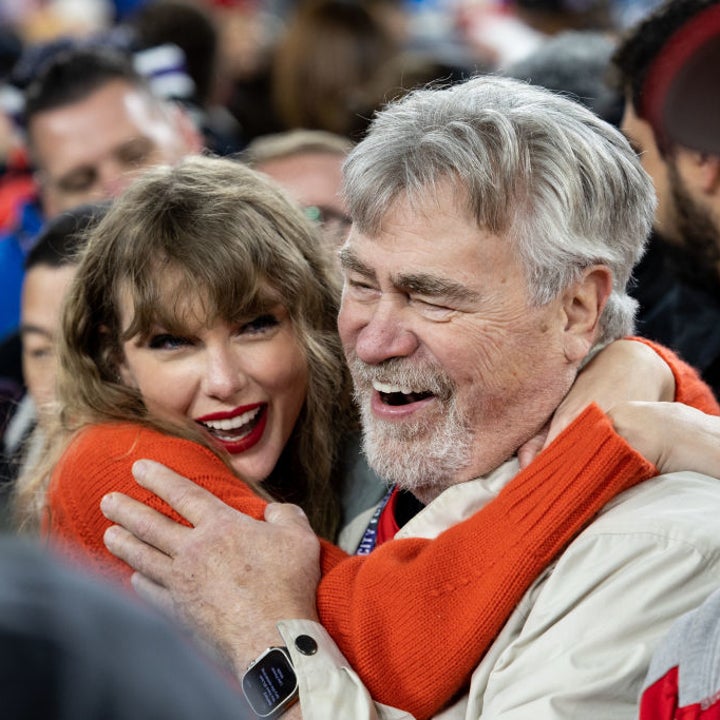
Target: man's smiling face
(453, 367)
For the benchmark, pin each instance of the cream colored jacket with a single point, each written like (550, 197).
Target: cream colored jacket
(579, 643)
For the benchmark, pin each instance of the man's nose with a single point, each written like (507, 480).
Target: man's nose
(386, 333)
(224, 376)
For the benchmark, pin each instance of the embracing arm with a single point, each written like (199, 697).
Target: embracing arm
(391, 639)
(465, 584)
(99, 460)
(689, 386)
(381, 609)
(628, 370)
(671, 435)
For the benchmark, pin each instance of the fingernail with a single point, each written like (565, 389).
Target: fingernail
(139, 469)
(110, 535)
(106, 504)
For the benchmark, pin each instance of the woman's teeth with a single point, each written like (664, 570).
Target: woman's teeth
(236, 426)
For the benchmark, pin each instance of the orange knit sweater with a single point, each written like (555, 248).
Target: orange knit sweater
(414, 617)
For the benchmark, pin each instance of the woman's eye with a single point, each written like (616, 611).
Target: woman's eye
(165, 341)
(259, 324)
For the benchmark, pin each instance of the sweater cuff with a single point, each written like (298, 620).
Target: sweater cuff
(689, 386)
(586, 466)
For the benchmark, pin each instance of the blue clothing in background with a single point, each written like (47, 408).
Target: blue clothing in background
(14, 248)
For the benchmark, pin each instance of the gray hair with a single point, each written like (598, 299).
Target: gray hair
(563, 185)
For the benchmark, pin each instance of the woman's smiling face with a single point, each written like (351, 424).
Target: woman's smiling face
(243, 381)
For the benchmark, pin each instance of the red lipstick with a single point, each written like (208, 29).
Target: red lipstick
(256, 423)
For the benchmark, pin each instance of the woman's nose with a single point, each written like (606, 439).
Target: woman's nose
(224, 373)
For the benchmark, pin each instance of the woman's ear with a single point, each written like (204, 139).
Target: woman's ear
(583, 303)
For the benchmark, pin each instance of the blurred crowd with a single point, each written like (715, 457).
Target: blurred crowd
(92, 92)
(250, 67)
(242, 70)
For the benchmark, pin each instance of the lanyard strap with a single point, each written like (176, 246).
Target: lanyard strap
(369, 538)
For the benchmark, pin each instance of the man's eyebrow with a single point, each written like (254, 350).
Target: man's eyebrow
(350, 261)
(425, 284)
(435, 287)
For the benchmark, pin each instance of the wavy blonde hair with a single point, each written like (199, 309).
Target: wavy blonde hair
(232, 238)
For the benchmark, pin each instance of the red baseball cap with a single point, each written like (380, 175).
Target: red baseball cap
(681, 95)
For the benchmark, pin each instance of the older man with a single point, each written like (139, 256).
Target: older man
(495, 228)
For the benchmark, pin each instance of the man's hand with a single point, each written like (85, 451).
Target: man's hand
(673, 436)
(230, 577)
(624, 371)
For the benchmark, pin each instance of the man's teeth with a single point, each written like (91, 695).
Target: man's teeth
(387, 388)
(398, 394)
(230, 424)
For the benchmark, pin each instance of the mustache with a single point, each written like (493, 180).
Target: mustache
(399, 371)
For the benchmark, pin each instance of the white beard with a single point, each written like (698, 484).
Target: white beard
(426, 454)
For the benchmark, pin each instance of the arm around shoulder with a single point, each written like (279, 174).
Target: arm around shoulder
(99, 460)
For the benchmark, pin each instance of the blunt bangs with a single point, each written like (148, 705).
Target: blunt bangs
(238, 251)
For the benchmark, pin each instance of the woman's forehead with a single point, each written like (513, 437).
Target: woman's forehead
(173, 298)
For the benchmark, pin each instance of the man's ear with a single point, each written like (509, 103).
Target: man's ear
(583, 303)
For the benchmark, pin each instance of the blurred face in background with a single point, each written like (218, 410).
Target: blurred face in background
(684, 213)
(314, 179)
(92, 149)
(44, 288)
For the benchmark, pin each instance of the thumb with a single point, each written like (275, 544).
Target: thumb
(286, 514)
(529, 450)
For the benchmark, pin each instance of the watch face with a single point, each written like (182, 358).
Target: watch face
(270, 683)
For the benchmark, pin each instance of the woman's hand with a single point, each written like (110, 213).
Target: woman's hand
(671, 435)
(624, 371)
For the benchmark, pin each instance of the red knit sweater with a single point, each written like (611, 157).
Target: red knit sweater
(387, 610)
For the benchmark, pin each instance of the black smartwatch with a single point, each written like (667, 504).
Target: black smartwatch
(269, 684)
